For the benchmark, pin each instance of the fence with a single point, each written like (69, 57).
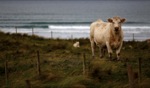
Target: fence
(48, 34)
(134, 77)
(52, 34)
(131, 74)
(38, 69)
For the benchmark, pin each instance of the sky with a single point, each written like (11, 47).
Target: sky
(74, 0)
(135, 8)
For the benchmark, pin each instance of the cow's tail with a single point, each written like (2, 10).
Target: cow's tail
(91, 32)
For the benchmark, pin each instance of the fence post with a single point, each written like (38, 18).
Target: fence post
(6, 73)
(32, 31)
(133, 37)
(84, 65)
(28, 83)
(51, 34)
(72, 38)
(139, 60)
(133, 77)
(130, 76)
(16, 30)
(38, 63)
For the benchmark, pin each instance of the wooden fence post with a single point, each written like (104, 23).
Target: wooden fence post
(38, 64)
(32, 31)
(139, 60)
(130, 76)
(6, 73)
(133, 77)
(51, 34)
(16, 30)
(84, 65)
(72, 38)
(28, 83)
(133, 37)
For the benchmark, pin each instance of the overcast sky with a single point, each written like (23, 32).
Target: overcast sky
(74, 0)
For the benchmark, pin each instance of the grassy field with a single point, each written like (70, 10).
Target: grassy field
(62, 65)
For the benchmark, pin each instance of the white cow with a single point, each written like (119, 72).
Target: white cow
(107, 34)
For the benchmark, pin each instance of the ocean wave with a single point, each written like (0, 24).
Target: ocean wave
(77, 29)
(136, 27)
(134, 22)
(87, 27)
(68, 27)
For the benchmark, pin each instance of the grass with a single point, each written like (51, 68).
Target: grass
(61, 64)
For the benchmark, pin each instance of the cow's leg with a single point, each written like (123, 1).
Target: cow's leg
(118, 55)
(104, 50)
(118, 51)
(101, 51)
(92, 47)
(109, 50)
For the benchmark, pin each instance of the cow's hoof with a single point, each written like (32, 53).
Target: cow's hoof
(113, 59)
(101, 56)
(93, 57)
(118, 59)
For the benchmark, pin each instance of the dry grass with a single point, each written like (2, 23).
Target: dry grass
(61, 64)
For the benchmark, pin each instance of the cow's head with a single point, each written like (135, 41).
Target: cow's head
(116, 21)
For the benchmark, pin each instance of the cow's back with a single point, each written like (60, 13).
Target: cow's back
(100, 32)
(94, 26)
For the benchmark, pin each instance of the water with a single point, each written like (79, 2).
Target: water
(71, 19)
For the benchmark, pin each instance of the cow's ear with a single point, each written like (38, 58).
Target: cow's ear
(123, 20)
(110, 20)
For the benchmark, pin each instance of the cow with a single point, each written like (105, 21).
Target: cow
(107, 34)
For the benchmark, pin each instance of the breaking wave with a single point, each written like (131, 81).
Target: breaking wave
(85, 28)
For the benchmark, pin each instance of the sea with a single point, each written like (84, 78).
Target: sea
(66, 19)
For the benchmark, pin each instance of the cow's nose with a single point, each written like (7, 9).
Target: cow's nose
(116, 28)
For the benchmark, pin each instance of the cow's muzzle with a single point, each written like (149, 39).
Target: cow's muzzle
(116, 29)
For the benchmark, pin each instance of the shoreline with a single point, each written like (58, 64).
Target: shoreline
(77, 32)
